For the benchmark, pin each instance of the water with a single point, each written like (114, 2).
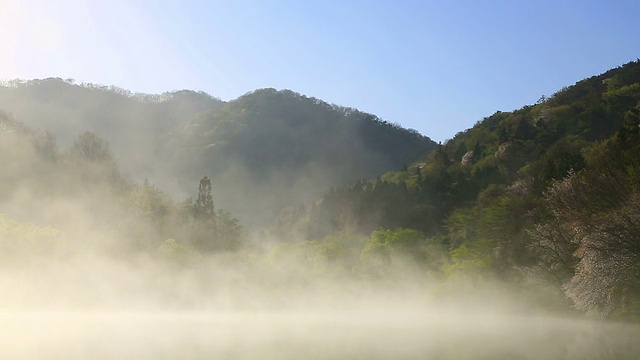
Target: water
(384, 334)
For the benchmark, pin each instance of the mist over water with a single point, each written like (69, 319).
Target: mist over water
(78, 292)
(93, 267)
(235, 307)
(308, 335)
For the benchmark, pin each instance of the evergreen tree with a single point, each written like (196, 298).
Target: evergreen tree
(204, 203)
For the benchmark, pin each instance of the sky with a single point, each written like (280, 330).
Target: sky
(434, 66)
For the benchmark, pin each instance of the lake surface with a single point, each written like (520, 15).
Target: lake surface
(392, 334)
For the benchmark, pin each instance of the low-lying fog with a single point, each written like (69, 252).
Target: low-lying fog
(86, 273)
(308, 335)
(236, 307)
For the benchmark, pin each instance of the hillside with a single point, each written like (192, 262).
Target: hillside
(264, 151)
(547, 192)
(540, 142)
(270, 149)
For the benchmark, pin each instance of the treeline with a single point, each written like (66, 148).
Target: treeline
(111, 89)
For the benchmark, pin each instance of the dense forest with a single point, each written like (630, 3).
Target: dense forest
(542, 200)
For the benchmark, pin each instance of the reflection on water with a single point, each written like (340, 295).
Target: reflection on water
(303, 335)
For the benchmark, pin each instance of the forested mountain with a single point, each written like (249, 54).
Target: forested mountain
(264, 151)
(539, 143)
(549, 191)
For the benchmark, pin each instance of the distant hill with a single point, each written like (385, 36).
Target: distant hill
(135, 125)
(264, 151)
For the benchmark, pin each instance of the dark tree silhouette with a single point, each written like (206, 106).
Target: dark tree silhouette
(204, 204)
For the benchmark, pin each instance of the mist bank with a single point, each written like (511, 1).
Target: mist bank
(79, 292)
(243, 306)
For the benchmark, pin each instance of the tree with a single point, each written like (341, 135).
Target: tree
(91, 148)
(386, 248)
(228, 231)
(504, 137)
(212, 230)
(45, 144)
(596, 213)
(204, 203)
(524, 131)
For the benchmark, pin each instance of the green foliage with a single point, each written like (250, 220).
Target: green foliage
(368, 206)
(386, 241)
(205, 229)
(228, 231)
(20, 241)
(386, 247)
(468, 264)
(178, 254)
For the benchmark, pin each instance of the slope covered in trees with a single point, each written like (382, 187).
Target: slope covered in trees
(269, 150)
(544, 193)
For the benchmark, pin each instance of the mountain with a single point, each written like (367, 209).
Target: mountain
(547, 193)
(265, 151)
(135, 125)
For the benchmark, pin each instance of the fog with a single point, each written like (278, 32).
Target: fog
(95, 266)
(315, 336)
(87, 298)
(85, 304)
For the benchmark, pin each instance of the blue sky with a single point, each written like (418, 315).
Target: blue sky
(434, 66)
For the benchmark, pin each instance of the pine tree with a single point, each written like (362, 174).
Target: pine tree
(204, 204)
